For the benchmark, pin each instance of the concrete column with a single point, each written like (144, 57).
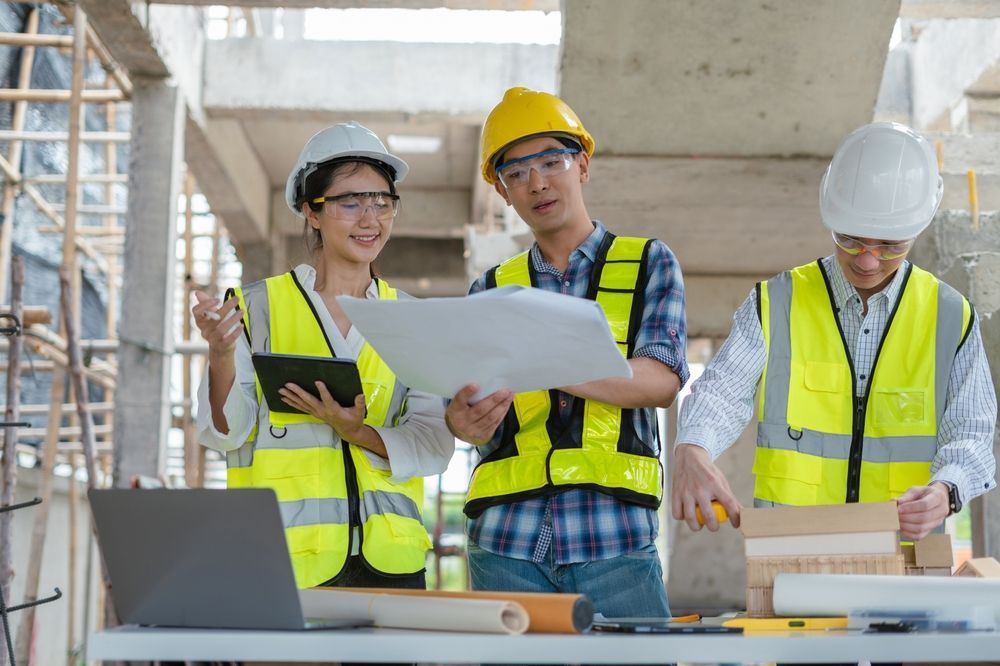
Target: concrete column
(969, 260)
(268, 257)
(256, 259)
(707, 570)
(142, 400)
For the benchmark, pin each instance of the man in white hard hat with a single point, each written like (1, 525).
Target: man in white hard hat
(873, 380)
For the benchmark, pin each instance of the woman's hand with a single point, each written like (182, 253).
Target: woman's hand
(349, 422)
(220, 326)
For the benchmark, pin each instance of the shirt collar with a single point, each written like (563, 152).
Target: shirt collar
(588, 247)
(844, 291)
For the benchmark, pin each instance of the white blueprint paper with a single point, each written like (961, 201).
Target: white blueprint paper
(512, 337)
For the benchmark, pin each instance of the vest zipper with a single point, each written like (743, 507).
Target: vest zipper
(860, 404)
(353, 501)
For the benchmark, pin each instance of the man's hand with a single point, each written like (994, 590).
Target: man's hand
(696, 482)
(921, 509)
(476, 423)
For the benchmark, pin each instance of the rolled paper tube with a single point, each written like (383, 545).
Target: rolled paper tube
(547, 613)
(408, 612)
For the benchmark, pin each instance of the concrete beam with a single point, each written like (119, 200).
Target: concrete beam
(505, 5)
(712, 301)
(720, 216)
(419, 78)
(940, 73)
(125, 37)
(155, 163)
(231, 176)
(949, 9)
(724, 78)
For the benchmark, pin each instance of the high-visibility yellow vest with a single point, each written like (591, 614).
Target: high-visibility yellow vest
(323, 493)
(818, 442)
(598, 449)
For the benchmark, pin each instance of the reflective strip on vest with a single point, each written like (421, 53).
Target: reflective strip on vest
(607, 456)
(301, 458)
(808, 400)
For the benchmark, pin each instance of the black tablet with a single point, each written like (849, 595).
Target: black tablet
(275, 370)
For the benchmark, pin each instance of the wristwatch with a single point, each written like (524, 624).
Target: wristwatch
(954, 501)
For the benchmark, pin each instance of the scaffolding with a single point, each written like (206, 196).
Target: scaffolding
(77, 440)
(82, 211)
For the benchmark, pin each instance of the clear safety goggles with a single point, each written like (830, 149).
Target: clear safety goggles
(352, 206)
(515, 173)
(882, 252)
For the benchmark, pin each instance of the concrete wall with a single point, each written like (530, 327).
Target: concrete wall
(926, 75)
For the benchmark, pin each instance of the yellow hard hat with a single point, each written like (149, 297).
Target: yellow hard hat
(523, 113)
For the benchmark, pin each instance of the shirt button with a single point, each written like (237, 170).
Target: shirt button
(562, 403)
(862, 376)
(867, 331)
(673, 332)
(566, 283)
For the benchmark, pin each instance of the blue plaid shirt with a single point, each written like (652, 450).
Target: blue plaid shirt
(584, 525)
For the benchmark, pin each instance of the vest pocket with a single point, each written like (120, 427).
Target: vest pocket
(905, 406)
(824, 377)
(787, 477)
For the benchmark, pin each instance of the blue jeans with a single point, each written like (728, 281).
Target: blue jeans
(627, 586)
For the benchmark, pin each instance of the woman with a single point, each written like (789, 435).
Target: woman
(348, 480)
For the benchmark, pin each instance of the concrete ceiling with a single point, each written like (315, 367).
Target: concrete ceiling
(769, 78)
(278, 142)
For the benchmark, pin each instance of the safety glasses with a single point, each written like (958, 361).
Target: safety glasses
(352, 206)
(882, 252)
(515, 173)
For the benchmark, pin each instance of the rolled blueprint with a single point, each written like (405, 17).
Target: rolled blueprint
(548, 613)
(406, 612)
(811, 595)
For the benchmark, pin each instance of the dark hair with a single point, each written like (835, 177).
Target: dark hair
(324, 175)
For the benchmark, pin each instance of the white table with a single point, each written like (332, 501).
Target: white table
(144, 643)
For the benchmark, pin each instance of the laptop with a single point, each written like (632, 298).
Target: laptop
(200, 558)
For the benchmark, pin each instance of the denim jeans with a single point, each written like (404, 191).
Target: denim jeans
(627, 586)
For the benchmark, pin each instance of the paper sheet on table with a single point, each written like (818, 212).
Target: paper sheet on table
(513, 337)
(839, 594)
(405, 612)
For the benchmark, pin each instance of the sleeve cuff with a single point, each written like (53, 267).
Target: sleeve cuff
(668, 356)
(954, 474)
(397, 460)
(703, 437)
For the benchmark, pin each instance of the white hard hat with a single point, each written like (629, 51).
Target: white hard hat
(883, 183)
(344, 140)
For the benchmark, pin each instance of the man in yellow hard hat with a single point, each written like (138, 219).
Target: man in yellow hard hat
(564, 497)
(872, 379)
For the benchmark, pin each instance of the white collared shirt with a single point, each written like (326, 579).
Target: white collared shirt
(721, 402)
(420, 445)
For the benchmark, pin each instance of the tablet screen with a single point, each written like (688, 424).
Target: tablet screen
(275, 370)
